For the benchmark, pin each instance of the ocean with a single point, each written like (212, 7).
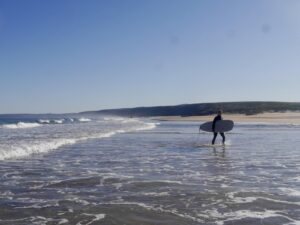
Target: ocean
(70, 169)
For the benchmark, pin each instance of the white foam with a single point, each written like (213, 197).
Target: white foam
(78, 200)
(240, 214)
(33, 148)
(113, 118)
(147, 126)
(60, 121)
(280, 201)
(21, 125)
(244, 200)
(97, 217)
(240, 200)
(140, 126)
(290, 191)
(63, 221)
(156, 194)
(82, 119)
(159, 181)
(28, 147)
(44, 121)
(117, 185)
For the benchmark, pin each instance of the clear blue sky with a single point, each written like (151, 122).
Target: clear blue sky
(71, 55)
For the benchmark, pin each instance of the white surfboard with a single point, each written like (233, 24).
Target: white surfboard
(221, 126)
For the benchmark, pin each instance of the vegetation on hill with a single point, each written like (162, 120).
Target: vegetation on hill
(248, 108)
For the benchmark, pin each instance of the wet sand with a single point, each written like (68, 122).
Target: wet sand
(284, 118)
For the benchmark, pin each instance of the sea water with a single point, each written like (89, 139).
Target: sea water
(70, 169)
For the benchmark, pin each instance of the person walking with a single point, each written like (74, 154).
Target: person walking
(217, 118)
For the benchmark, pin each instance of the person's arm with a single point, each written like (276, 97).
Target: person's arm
(214, 124)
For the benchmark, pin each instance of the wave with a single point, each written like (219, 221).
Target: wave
(84, 119)
(43, 146)
(59, 121)
(29, 148)
(49, 121)
(129, 120)
(44, 121)
(147, 126)
(113, 118)
(20, 125)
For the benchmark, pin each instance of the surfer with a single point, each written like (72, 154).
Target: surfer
(218, 117)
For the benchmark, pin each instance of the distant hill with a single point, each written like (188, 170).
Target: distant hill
(248, 108)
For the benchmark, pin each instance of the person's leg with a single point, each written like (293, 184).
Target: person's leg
(214, 139)
(223, 136)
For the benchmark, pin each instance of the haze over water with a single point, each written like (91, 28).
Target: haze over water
(107, 170)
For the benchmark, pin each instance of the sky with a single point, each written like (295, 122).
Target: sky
(73, 55)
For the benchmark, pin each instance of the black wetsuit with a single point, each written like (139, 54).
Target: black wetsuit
(218, 117)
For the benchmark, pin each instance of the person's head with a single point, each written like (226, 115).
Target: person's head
(220, 112)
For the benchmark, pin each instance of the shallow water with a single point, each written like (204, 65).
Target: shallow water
(166, 175)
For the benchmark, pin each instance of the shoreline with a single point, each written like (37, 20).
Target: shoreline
(283, 118)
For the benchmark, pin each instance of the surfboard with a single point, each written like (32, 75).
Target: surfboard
(221, 126)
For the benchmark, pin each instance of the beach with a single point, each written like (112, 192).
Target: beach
(150, 112)
(284, 118)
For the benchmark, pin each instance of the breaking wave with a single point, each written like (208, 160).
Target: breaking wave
(84, 119)
(26, 147)
(20, 125)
